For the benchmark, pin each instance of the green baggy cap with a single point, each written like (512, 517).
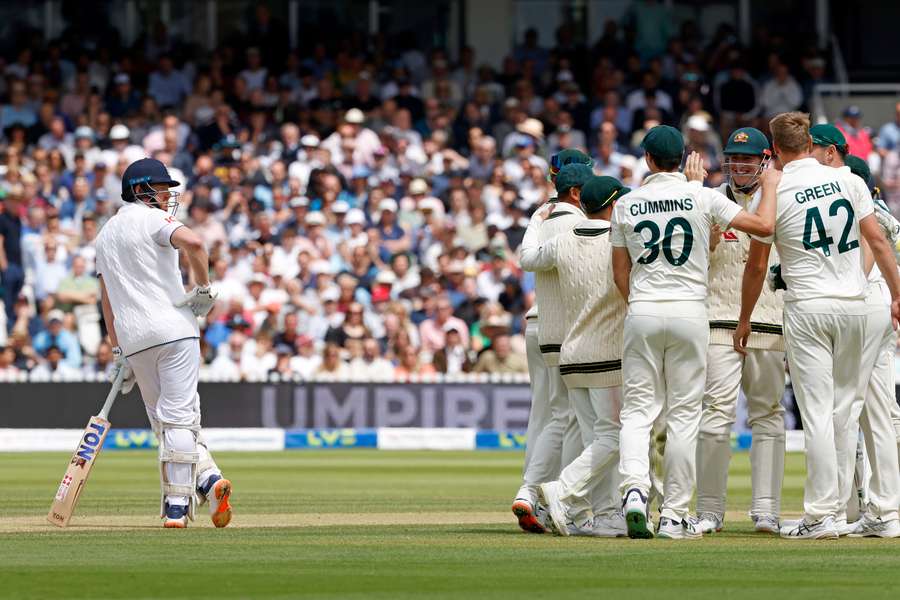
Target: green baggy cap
(664, 141)
(573, 175)
(747, 140)
(858, 167)
(600, 192)
(827, 134)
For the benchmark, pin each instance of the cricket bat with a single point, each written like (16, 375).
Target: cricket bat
(82, 461)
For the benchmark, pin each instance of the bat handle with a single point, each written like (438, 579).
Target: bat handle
(111, 397)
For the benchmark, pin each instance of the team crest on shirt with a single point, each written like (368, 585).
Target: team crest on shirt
(729, 236)
(741, 136)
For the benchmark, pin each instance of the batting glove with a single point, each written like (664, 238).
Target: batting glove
(774, 279)
(121, 364)
(200, 300)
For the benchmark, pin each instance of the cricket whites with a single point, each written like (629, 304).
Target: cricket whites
(82, 461)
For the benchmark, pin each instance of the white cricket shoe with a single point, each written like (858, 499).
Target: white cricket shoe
(823, 529)
(766, 523)
(634, 506)
(686, 529)
(525, 510)
(710, 522)
(869, 527)
(550, 497)
(844, 528)
(579, 529)
(610, 526)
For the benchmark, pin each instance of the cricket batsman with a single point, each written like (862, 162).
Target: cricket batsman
(821, 224)
(660, 239)
(553, 436)
(760, 374)
(153, 326)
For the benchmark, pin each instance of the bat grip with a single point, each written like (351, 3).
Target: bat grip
(111, 397)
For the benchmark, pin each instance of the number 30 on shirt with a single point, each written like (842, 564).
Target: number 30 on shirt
(652, 246)
(815, 225)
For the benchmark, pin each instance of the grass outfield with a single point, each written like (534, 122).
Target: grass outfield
(376, 524)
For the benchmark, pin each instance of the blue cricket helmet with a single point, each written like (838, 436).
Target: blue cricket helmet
(145, 172)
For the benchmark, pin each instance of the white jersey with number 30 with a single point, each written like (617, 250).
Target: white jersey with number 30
(665, 225)
(817, 231)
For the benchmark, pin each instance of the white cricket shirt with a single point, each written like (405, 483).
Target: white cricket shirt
(140, 270)
(665, 225)
(817, 231)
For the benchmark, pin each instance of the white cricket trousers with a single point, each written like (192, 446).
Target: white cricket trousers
(167, 377)
(871, 411)
(824, 339)
(664, 368)
(761, 377)
(553, 438)
(590, 483)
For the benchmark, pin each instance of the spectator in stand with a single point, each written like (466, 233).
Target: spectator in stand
(453, 358)
(352, 327)
(432, 330)
(51, 270)
(859, 140)
(79, 288)
(12, 273)
(412, 365)
(781, 93)
(500, 358)
(736, 96)
(168, 85)
(104, 362)
(370, 365)
(8, 368)
(123, 100)
(889, 134)
(18, 111)
(890, 179)
(55, 335)
(491, 282)
(332, 367)
(54, 367)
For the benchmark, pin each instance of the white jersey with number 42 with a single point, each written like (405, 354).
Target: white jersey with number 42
(665, 225)
(817, 231)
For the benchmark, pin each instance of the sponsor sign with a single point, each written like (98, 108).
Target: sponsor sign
(319, 439)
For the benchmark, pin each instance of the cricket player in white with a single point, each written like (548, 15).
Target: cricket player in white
(882, 384)
(760, 374)
(871, 410)
(153, 325)
(819, 225)
(660, 238)
(550, 444)
(585, 499)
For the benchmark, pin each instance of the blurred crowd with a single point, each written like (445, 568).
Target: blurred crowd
(362, 199)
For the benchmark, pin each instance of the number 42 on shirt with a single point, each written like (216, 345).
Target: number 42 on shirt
(815, 225)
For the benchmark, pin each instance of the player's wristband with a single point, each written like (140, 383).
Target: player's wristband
(117, 352)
